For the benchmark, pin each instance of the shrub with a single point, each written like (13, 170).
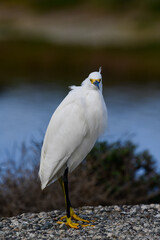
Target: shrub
(113, 174)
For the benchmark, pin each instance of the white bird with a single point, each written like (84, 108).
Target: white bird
(71, 134)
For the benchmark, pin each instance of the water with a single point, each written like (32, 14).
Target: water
(134, 113)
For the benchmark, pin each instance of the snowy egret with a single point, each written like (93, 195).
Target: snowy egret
(71, 134)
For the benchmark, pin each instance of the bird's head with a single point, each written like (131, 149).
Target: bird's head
(95, 78)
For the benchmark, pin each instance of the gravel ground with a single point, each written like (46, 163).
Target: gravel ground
(111, 222)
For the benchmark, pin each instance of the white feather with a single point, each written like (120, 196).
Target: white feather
(73, 130)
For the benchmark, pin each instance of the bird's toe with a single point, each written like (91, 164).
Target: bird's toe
(68, 223)
(63, 217)
(87, 225)
(76, 217)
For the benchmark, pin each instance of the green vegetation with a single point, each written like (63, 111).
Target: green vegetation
(38, 61)
(151, 5)
(41, 5)
(47, 5)
(113, 174)
(28, 55)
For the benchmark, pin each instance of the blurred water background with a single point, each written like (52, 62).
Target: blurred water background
(47, 45)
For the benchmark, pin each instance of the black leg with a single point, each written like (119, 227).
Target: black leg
(70, 212)
(68, 203)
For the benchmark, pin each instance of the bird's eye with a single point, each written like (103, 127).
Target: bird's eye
(92, 80)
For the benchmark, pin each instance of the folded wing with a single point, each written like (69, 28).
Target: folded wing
(66, 131)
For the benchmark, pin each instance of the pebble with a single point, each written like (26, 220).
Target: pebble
(111, 222)
(117, 208)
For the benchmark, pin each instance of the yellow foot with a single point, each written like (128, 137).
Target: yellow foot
(76, 217)
(63, 217)
(87, 225)
(69, 223)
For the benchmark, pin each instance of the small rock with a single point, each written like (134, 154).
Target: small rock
(144, 207)
(15, 222)
(96, 237)
(1, 233)
(117, 208)
(31, 235)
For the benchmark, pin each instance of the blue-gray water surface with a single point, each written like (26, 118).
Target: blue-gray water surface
(133, 111)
